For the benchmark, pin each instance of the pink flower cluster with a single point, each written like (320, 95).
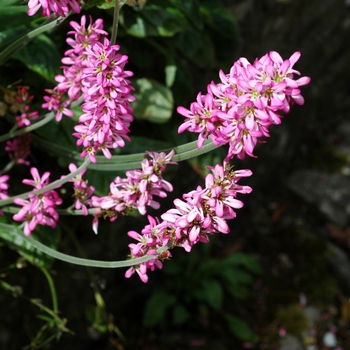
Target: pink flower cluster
(203, 212)
(95, 70)
(241, 108)
(82, 192)
(39, 209)
(58, 7)
(136, 191)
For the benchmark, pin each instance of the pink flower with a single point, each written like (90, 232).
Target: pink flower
(241, 108)
(137, 190)
(82, 192)
(203, 212)
(4, 186)
(93, 69)
(38, 209)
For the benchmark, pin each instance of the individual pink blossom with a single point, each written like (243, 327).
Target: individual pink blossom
(58, 7)
(55, 102)
(201, 213)
(240, 109)
(38, 209)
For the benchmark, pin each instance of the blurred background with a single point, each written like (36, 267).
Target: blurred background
(281, 278)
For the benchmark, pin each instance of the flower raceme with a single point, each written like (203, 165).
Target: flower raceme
(136, 191)
(201, 213)
(95, 70)
(240, 109)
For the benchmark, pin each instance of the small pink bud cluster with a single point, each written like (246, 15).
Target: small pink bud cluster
(39, 209)
(58, 7)
(203, 212)
(82, 192)
(241, 108)
(23, 101)
(136, 191)
(95, 71)
(3, 188)
(19, 148)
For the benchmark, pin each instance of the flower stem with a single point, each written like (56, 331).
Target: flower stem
(74, 260)
(52, 289)
(51, 186)
(117, 8)
(24, 40)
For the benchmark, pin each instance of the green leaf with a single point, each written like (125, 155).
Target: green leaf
(218, 18)
(192, 10)
(212, 293)
(172, 268)
(170, 75)
(180, 314)
(156, 308)
(197, 47)
(154, 101)
(223, 29)
(105, 5)
(13, 236)
(13, 16)
(141, 144)
(137, 26)
(155, 19)
(41, 56)
(94, 3)
(167, 20)
(248, 261)
(240, 328)
(101, 180)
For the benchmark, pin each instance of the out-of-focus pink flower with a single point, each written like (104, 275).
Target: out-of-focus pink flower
(4, 187)
(58, 7)
(19, 148)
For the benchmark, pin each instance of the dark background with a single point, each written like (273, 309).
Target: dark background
(294, 224)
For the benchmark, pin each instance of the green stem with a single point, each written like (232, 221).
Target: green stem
(98, 297)
(8, 167)
(22, 41)
(52, 289)
(117, 8)
(48, 117)
(74, 260)
(51, 186)
(69, 211)
(126, 162)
